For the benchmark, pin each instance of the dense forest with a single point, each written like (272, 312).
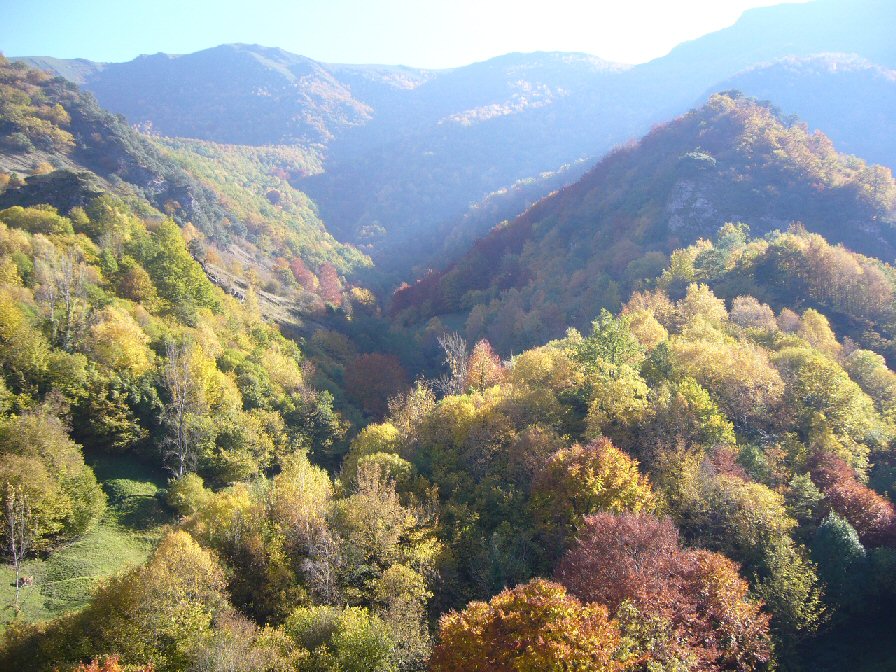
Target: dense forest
(692, 479)
(643, 423)
(248, 223)
(409, 151)
(591, 244)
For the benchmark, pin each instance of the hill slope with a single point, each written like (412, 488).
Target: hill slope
(768, 33)
(243, 208)
(235, 93)
(408, 152)
(732, 160)
(469, 132)
(117, 349)
(849, 98)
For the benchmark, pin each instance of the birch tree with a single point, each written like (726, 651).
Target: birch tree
(185, 405)
(20, 530)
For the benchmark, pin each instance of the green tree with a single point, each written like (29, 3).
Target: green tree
(45, 466)
(347, 639)
(842, 561)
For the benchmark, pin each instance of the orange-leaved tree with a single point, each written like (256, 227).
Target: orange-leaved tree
(582, 480)
(535, 627)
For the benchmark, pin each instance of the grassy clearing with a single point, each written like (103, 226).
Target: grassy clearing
(65, 579)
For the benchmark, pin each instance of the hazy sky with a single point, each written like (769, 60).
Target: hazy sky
(422, 33)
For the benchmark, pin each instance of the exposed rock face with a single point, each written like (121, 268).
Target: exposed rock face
(62, 189)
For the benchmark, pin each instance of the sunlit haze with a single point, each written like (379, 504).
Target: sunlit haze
(433, 34)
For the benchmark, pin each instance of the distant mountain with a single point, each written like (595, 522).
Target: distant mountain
(236, 94)
(733, 160)
(407, 151)
(469, 132)
(860, 27)
(851, 99)
(409, 155)
(406, 193)
(75, 70)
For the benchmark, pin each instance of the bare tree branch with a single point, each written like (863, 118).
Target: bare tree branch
(457, 359)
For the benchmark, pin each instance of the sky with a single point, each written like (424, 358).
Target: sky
(419, 33)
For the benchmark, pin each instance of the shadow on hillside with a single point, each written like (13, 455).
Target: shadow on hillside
(136, 490)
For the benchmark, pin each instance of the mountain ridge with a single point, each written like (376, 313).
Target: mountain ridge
(731, 160)
(52, 133)
(408, 152)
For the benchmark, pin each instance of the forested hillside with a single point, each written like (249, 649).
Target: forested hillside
(733, 160)
(242, 215)
(239, 94)
(689, 477)
(407, 153)
(822, 91)
(641, 416)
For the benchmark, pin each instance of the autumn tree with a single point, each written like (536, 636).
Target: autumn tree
(373, 439)
(583, 480)
(700, 306)
(870, 371)
(46, 470)
(36, 219)
(619, 401)
(306, 279)
(824, 400)
(484, 367)
(631, 559)
(749, 522)
(535, 626)
(738, 375)
(24, 351)
(872, 515)
(236, 643)
(409, 408)
(110, 664)
(735, 630)
(749, 313)
(117, 341)
(815, 328)
(623, 557)
(330, 287)
(372, 379)
(347, 639)
(134, 283)
(161, 610)
(378, 532)
(683, 426)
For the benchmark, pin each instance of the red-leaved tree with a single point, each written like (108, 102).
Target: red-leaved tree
(110, 664)
(372, 379)
(636, 559)
(871, 514)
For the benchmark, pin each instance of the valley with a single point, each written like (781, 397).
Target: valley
(544, 362)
